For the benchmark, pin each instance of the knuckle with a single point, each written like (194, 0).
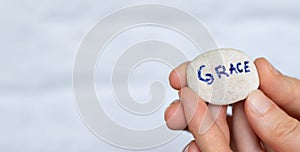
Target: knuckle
(286, 128)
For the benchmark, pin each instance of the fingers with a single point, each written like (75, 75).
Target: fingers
(178, 80)
(232, 144)
(192, 147)
(219, 115)
(208, 135)
(175, 119)
(273, 126)
(177, 77)
(245, 140)
(174, 116)
(283, 90)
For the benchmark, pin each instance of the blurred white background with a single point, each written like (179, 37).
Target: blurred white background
(40, 38)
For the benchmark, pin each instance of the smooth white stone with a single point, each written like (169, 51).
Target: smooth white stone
(227, 89)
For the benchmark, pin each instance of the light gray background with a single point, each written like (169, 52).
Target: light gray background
(39, 40)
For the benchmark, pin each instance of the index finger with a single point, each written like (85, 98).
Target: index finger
(177, 77)
(202, 124)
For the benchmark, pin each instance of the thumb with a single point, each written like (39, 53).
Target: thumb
(271, 124)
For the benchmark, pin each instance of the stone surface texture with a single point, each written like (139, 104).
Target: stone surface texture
(220, 86)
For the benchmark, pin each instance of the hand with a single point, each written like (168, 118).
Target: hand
(207, 124)
(265, 128)
(268, 121)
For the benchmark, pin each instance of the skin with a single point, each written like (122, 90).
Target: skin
(268, 120)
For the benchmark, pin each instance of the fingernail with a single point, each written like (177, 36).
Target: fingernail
(186, 148)
(258, 102)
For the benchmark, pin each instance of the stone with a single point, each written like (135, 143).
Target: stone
(222, 76)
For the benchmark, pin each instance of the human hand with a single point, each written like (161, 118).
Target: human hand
(207, 124)
(269, 119)
(266, 128)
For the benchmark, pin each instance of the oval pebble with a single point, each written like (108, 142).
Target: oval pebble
(222, 76)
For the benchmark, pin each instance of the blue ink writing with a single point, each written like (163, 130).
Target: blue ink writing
(238, 67)
(247, 67)
(232, 68)
(209, 77)
(222, 71)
